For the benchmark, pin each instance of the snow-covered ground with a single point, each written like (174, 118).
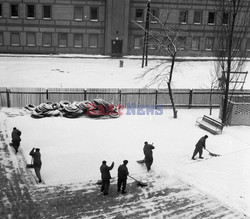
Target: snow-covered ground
(73, 149)
(49, 72)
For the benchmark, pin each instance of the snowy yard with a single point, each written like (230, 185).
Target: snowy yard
(73, 149)
(49, 72)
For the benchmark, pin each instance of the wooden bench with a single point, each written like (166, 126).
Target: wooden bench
(210, 124)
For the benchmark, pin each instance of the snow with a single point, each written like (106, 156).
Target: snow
(73, 149)
(98, 72)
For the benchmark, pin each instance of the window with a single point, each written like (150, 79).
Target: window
(182, 41)
(78, 13)
(30, 11)
(197, 17)
(94, 14)
(1, 38)
(155, 15)
(138, 42)
(225, 17)
(15, 40)
(1, 10)
(195, 43)
(77, 40)
(14, 10)
(211, 18)
(152, 44)
(248, 44)
(46, 12)
(47, 39)
(209, 43)
(93, 41)
(139, 15)
(62, 39)
(31, 39)
(183, 17)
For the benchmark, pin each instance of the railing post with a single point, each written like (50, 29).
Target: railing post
(47, 94)
(120, 96)
(8, 97)
(190, 98)
(156, 97)
(85, 94)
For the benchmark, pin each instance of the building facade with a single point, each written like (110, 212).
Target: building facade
(102, 26)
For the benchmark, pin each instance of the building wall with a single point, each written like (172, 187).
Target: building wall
(99, 36)
(62, 21)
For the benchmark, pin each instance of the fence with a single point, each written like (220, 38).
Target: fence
(20, 97)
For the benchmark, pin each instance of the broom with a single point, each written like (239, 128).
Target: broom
(212, 154)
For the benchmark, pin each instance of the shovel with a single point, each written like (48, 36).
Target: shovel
(212, 154)
(139, 183)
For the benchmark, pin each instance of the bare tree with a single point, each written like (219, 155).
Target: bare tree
(169, 42)
(230, 35)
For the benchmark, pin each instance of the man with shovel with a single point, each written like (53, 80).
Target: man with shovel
(199, 147)
(122, 177)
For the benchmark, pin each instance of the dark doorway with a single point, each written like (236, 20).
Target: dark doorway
(116, 48)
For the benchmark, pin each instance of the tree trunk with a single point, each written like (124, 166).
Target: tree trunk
(172, 100)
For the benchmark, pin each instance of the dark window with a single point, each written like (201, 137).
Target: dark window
(248, 44)
(47, 11)
(62, 39)
(139, 15)
(1, 11)
(47, 39)
(197, 17)
(94, 13)
(31, 39)
(211, 18)
(1, 38)
(183, 17)
(15, 40)
(78, 13)
(155, 15)
(14, 10)
(225, 17)
(93, 40)
(30, 11)
(77, 40)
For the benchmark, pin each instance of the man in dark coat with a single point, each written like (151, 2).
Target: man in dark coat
(148, 152)
(199, 147)
(105, 176)
(16, 139)
(122, 177)
(35, 153)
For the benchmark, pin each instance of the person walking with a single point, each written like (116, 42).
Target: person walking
(105, 174)
(199, 147)
(35, 153)
(16, 139)
(148, 152)
(122, 177)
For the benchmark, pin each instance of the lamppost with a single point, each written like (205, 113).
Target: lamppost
(145, 41)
